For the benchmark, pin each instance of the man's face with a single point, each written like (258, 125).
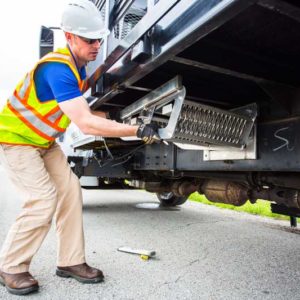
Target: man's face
(84, 49)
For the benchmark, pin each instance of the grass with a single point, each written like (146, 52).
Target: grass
(261, 207)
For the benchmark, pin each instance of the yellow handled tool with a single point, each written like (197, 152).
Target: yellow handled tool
(144, 254)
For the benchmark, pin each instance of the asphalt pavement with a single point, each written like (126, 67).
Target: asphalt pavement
(202, 252)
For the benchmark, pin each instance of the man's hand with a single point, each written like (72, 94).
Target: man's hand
(148, 133)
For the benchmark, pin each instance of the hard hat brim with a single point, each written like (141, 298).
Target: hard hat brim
(96, 34)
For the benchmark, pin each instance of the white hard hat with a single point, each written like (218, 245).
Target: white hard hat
(81, 17)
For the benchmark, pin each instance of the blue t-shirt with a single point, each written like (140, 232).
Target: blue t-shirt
(55, 80)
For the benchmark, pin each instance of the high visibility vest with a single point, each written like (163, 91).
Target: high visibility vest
(25, 120)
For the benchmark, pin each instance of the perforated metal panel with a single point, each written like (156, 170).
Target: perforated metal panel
(200, 124)
(101, 5)
(128, 22)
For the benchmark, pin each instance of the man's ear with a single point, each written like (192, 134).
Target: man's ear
(68, 36)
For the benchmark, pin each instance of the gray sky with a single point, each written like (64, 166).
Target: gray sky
(20, 23)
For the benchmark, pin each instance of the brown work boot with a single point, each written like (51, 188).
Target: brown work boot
(20, 283)
(83, 273)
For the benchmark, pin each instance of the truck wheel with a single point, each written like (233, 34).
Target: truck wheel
(169, 199)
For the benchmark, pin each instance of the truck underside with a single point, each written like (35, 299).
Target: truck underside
(220, 78)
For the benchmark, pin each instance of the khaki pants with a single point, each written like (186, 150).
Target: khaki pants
(48, 188)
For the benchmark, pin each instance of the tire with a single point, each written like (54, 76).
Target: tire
(169, 199)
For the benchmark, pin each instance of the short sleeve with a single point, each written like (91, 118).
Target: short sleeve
(56, 81)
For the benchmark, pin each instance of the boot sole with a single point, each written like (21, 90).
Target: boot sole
(20, 292)
(66, 274)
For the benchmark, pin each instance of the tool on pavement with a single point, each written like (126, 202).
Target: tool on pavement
(144, 254)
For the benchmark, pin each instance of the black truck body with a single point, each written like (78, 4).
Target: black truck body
(221, 80)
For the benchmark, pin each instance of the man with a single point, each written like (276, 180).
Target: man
(40, 109)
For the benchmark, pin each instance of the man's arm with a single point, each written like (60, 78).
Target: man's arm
(64, 89)
(88, 122)
(100, 114)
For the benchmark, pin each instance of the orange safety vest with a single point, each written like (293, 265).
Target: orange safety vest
(25, 120)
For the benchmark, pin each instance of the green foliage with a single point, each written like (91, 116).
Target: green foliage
(261, 207)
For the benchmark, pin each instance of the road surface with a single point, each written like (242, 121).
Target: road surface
(202, 252)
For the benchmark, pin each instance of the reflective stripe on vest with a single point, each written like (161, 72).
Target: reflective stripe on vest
(54, 117)
(25, 86)
(30, 118)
